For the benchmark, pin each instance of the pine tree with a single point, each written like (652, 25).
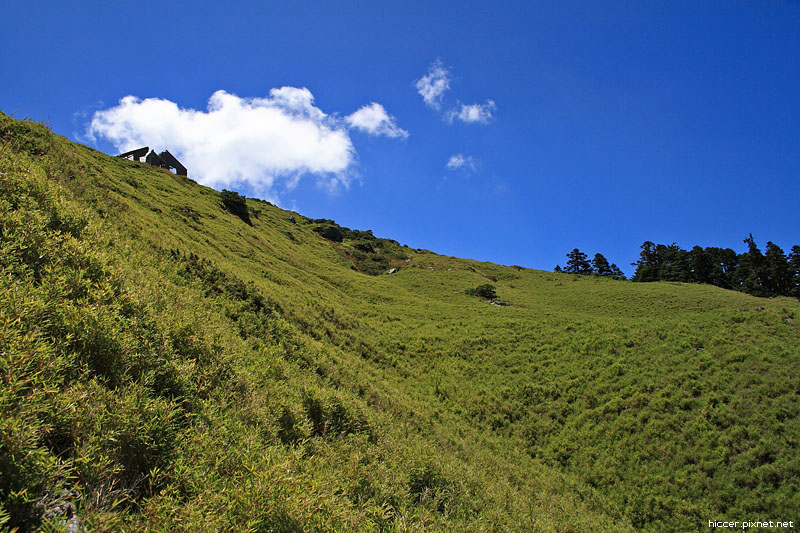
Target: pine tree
(751, 269)
(600, 265)
(577, 263)
(723, 263)
(777, 271)
(674, 263)
(616, 273)
(794, 263)
(646, 266)
(699, 265)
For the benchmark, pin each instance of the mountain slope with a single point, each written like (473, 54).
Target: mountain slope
(171, 366)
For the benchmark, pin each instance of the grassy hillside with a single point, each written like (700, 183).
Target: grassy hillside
(169, 364)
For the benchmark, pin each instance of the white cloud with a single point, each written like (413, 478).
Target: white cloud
(256, 141)
(462, 162)
(374, 120)
(473, 114)
(434, 84)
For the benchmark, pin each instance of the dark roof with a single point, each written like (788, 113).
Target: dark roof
(136, 154)
(170, 160)
(166, 160)
(154, 159)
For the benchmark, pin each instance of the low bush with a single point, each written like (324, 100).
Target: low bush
(235, 204)
(332, 233)
(486, 291)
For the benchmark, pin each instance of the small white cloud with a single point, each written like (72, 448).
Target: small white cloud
(462, 162)
(374, 120)
(257, 141)
(434, 84)
(474, 113)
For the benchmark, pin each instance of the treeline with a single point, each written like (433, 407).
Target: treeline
(578, 263)
(771, 273)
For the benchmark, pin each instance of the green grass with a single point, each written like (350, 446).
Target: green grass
(167, 366)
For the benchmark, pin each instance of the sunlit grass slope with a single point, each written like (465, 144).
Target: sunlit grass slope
(167, 365)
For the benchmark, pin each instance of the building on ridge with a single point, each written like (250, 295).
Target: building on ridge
(135, 155)
(163, 160)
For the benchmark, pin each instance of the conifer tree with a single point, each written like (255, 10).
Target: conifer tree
(600, 265)
(646, 266)
(794, 264)
(777, 271)
(674, 263)
(751, 269)
(699, 265)
(723, 263)
(616, 273)
(577, 263)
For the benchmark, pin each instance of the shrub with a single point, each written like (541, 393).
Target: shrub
(486, 291)
(332, 233)
(235, 204)
(364, 247)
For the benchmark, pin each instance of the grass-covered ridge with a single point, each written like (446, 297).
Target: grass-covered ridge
(167, 365)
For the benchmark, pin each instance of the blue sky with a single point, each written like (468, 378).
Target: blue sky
(596, 125)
